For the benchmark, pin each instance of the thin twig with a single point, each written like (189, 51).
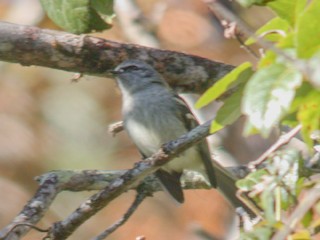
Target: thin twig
(226, 14)
(284, 139)
(141, 195)
(231, 31)
(115, 128)
(244, 198)
(29, 225)
(246, 47)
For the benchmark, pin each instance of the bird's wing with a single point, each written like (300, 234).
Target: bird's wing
(218, 176)
(191, 122)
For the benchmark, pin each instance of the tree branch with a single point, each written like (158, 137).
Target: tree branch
(113, 184)
(85, 54)
(52, 183)
(142, 193)
(63, 229)
(283, 140)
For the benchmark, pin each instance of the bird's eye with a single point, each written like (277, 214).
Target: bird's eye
(130, 68)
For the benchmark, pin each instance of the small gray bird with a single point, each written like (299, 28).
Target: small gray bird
(154, 115)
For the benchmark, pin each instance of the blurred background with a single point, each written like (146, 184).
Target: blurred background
(48, 122)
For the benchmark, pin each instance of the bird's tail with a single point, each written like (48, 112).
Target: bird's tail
(226, 185)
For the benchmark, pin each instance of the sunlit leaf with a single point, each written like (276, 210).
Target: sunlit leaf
(273, 30)
(235, 77)
(229, 112)
(308, 31)
(287, 9)
(300, 235)
(268, 95)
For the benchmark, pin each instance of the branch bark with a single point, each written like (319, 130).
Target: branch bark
(52, 183)
(63, 229)
(85, 54)
(113, 184)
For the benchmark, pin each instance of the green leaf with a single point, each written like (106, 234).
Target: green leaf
(268, 59)
(259, 233)
(78, 16)
(236, 76)
(303, 234)
(104, 8)
(309, 116)
(287, 9)
(229, 112)
(252, 179)
(308, 31)
(301, 93)
(285, 167)
(307, 219)
(273, 30)
(268, 95)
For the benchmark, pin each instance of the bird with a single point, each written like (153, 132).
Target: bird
(154, 115)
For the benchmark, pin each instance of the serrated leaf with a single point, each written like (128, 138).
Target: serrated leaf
(277, 28)
(268, 96)
(308, 31)
(229, 112)
(236, 76)
(76, 16)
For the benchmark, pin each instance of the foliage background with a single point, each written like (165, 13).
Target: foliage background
(47, 122)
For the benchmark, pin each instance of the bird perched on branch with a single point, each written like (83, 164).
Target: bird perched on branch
(153, 115)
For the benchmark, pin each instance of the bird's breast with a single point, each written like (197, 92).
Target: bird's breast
(145, 138)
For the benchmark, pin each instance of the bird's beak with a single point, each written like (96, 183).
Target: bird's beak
(117, 71)
(114, 72)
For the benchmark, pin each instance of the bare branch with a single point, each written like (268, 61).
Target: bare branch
(141, 195)
(284, 139)
(227, 15)
(96, 56)
(52, 183)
